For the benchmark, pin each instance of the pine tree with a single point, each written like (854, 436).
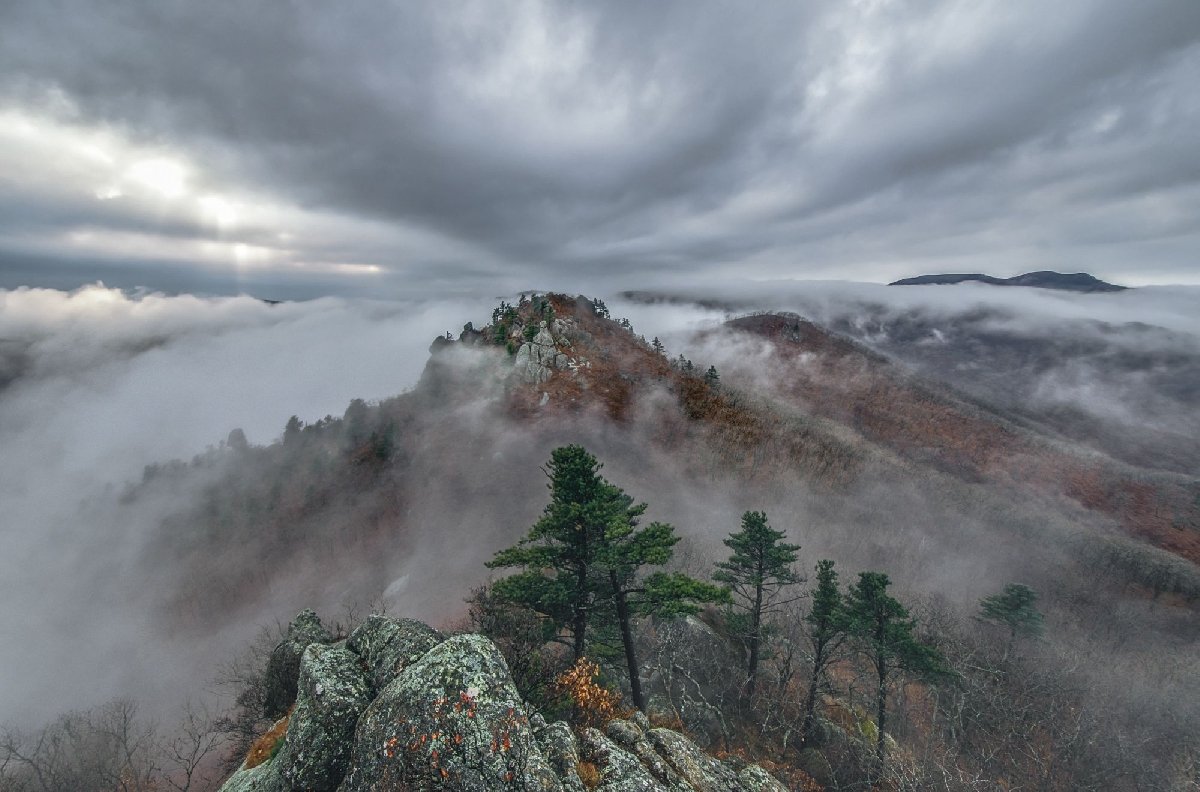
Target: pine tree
(711, 377)
(583, 561)
(658, 347)
(567, 541)
(884, 631)
(757, 572)
(628, 550)
(826, 634)
(291, 432)
(1014, 608)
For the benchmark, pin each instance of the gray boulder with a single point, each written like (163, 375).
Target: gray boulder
(620, 770)
(701, 772)
(538, 357)
(283, 669)
(754, 779)
(562, 752)
(333, 691)
(315, 752)
(388, 646)
(451, 720)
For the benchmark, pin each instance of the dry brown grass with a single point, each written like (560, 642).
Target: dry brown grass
(264, 746)
(589, 774)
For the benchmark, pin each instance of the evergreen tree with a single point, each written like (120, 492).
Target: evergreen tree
(629, 549)
(291, 432)
(711, 377)
(658, 347)
(583, 561)
(756, 573)
(826, 633)
(567, 541)
(1014, 608)
(885, 632)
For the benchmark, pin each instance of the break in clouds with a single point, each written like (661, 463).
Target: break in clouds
(96, 384)
(388, 149)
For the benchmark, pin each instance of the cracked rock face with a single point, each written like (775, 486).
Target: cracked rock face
(399, 706)
(284, 667)
(537, 358)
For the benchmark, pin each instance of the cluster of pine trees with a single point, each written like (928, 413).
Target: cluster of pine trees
(588, 568)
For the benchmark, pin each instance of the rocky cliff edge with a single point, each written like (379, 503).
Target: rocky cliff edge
(399, 706)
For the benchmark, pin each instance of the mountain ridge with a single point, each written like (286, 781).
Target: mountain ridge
(1043, 279)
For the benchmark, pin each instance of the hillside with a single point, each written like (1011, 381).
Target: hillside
(1045, 279)
(860, 459)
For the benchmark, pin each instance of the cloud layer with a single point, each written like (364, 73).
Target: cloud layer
(388, 149)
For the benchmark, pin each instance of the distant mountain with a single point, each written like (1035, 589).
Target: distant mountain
(1067, 281)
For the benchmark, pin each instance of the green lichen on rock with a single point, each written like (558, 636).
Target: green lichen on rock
(451, 720)
(754, 779)
(701, 772)
(333, 691)
(398, 706)
(390, 645)
(263, 778)
(562, 753)
(283, 669)
(620, 771)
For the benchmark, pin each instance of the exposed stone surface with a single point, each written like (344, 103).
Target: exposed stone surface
(451, 720)
(702, 772)
(283, 669)
(686, 678)
(390, 645)
(754, 779)
(620, 771)
(398, 706)
(562, 752)
(333, 691)
(537, 357)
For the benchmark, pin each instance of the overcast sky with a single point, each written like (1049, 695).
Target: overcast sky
(386, 149)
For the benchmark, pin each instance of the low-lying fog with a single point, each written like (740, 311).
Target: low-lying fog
(96, 384)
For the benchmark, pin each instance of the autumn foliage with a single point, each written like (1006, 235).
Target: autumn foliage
(592, 704)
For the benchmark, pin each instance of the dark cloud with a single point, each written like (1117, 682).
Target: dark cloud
(534, 141)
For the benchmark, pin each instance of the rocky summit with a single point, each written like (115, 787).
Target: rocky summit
(398, 706)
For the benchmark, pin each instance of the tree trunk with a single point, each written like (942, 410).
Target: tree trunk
(635, 684)
(881, 711)
(810, 704)
(755, 639)
(579, 627)
(579, 608)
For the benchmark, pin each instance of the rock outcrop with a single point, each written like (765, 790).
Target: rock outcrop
(538, 357)
(399, 706)
(283, 669)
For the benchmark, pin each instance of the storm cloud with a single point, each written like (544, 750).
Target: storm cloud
(292, 150)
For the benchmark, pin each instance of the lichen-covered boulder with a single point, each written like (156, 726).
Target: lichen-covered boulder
(754, 779)
(629, 736)
(283, 669)
(333, 692)
(314, 756)
(263, 778)
(620, 770)
(388, 646)
(561, 751)
(451, 720)
(701, 772)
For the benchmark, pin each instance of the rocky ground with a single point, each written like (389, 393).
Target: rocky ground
(398, 705)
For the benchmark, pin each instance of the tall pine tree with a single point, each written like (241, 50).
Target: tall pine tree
(1014, 608)
(884, 630)
(583, 561)
(757, 572)
(826, 634)
(567, 541)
